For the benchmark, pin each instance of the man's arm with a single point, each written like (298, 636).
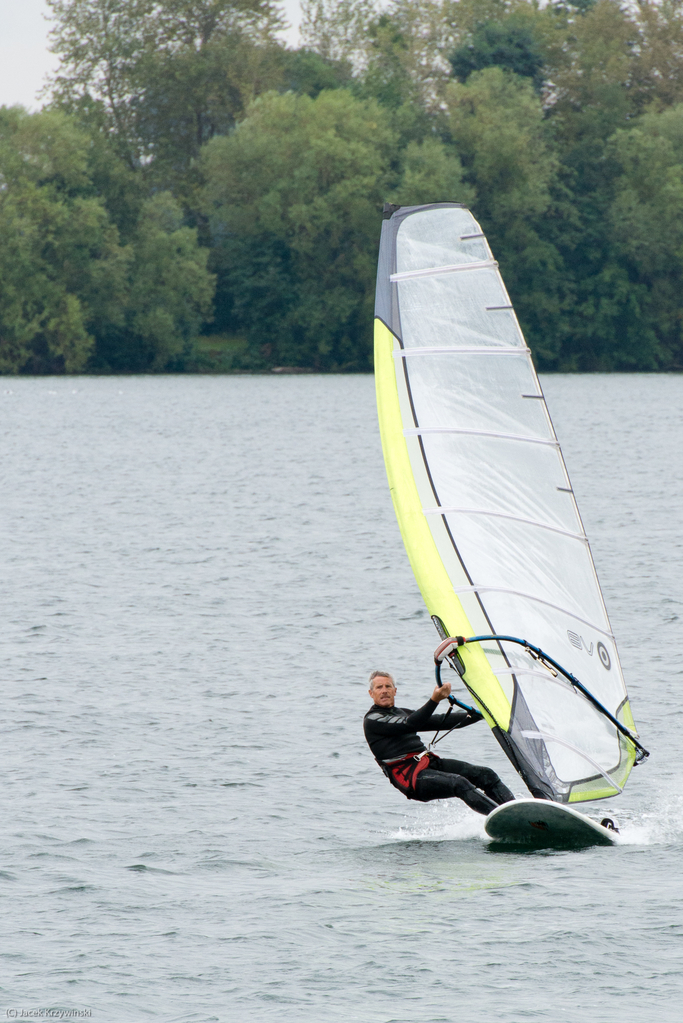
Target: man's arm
(396, 724)
(423, 719)
(456, 719)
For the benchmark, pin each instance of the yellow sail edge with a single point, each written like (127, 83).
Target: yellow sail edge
(596, 788)
(428, 568)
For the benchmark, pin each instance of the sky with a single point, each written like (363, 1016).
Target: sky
(24, 57)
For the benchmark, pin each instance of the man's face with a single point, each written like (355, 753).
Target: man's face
(383, 691)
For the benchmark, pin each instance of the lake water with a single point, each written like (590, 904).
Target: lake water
(198, 575)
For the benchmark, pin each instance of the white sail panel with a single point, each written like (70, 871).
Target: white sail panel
(500, 475)
(506, 398)
(467, 308)
(441, 237)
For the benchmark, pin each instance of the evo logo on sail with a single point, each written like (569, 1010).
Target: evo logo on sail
(580, 643)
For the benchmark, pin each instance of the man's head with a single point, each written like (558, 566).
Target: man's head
(382, 688)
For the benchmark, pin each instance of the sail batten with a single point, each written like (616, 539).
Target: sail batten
(479, 483)
(453, 268)
(482, 588)
(528, 734)
(418, 430)
(503, 515)
(406, 353)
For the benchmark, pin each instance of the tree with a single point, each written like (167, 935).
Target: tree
(658, 59)
(163, 76)
(594, 78)
(497, 128)
(337, 29)
(170, 295)
(387, 76)
(293, 196)
(645, 225)
(431, 173)
(62, 266)
(307, 72)
(560, 124)
(72, 297)
(397, 50)
(509, 44)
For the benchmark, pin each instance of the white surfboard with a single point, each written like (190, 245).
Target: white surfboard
(542, 822)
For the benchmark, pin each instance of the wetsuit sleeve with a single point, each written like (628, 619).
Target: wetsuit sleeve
(390, 724)
(456, 719)
(422, 720)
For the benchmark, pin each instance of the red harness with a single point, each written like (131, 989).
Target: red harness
(405, 772)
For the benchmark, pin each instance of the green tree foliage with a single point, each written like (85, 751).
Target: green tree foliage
(67, 284)
(62, 265)
(645, 230)
(545, 171)
(396, 49)
(309, 73)
(497, 126)
(605, 77)
(169, 295)
(293, 196)
(337, 29)
(162, 77)
(387, 77)
(508, 44)
(431, 172)
(175, 122)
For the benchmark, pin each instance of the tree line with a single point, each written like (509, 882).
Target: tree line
(196, 196)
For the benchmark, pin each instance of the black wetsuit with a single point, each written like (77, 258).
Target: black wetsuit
(392, 736)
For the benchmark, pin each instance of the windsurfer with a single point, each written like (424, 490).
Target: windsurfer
(391, 733)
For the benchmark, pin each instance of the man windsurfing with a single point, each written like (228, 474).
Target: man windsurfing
(391, 733)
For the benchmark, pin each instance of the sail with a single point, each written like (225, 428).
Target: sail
(485, 505)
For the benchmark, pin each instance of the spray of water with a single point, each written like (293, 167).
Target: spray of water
(659, 824)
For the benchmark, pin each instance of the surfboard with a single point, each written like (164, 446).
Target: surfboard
(542, 822)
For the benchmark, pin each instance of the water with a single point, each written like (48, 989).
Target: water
(199, 574)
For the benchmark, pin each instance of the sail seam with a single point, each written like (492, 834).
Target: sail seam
(537, 600)
(540, 674)
(407, 275)
(547, 737)
(418, 431)
(466, 350)
(503, 515)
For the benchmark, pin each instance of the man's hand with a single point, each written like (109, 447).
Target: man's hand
(441, 692)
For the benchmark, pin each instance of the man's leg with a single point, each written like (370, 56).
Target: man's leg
(439, 784)
(483, 777)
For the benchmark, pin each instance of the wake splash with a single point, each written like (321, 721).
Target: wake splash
(660, 824)
(443, 823)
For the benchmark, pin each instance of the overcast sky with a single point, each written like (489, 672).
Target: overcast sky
(24, 56)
